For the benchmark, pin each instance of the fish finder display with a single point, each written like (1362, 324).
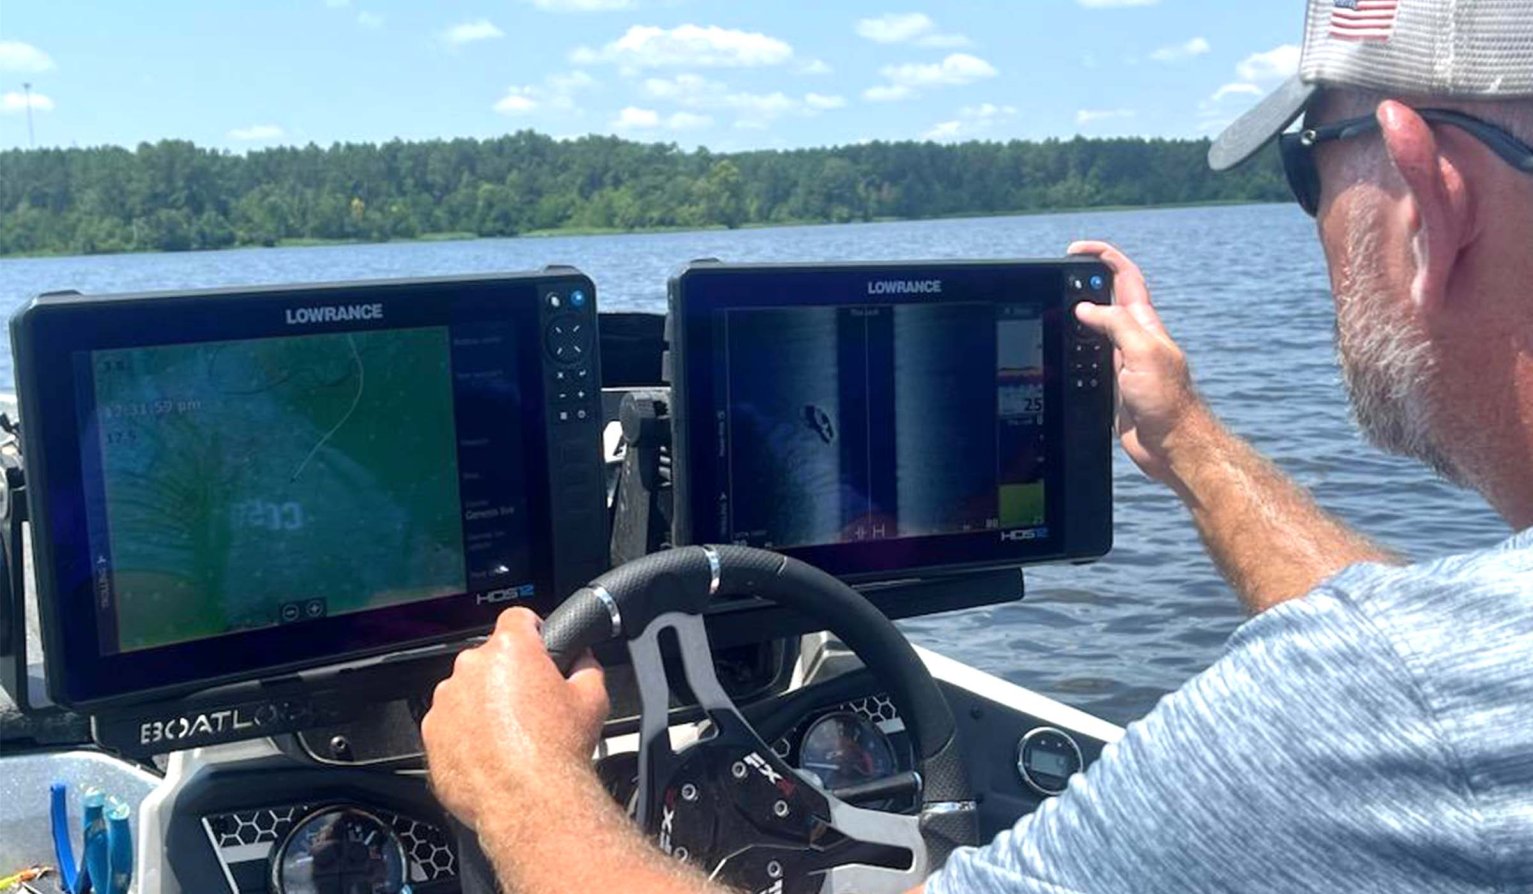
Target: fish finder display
(842, 424)
(239, 485)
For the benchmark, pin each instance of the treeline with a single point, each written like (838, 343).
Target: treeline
(175, 196)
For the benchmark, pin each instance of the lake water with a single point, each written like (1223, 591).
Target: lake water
(1243, 288)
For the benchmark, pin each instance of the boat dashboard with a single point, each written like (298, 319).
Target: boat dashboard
(248, 530)
(226, 818)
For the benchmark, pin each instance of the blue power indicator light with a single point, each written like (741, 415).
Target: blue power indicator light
(577, 298)
(1097, 282)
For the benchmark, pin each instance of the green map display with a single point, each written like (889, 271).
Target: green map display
(243, 477)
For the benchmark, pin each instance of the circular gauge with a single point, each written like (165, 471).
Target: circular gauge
(1047, 758)
(846, 749)
(340, 850)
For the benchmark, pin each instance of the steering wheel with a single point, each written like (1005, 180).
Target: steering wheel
(727, 804)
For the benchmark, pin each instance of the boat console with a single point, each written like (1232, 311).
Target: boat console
(263, 521)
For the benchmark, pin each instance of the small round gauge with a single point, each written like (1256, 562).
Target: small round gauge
(845, 749)
(1047, 758)
(340, 850)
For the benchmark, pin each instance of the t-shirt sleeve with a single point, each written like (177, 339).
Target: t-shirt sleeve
(1303, 760)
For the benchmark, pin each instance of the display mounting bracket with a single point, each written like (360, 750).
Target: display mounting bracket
(22, 681)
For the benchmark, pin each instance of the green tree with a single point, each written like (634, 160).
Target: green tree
(723, 195)
(173, 195)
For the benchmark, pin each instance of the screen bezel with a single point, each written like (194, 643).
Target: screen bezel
(46, 336)
(701, 290)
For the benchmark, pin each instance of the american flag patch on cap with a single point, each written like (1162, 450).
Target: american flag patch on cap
(1363, 19)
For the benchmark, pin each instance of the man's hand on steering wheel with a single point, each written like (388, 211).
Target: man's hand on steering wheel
(506, 725)
(509, 743)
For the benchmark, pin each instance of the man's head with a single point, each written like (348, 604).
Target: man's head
(1427, 225)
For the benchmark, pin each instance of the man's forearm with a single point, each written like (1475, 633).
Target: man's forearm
(577, 839)
(1265, 533)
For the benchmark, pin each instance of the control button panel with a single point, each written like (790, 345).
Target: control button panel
(572, 402)
(574, 395)
(1088, 355)
(568, 338)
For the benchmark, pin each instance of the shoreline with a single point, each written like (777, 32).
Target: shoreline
(577, 232)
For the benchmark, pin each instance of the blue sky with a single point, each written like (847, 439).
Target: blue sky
(728, 75)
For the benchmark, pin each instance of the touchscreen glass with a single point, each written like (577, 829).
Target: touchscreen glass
(239, 485)
(842, 424)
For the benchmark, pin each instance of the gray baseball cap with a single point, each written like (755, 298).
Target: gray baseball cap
(1460, 49)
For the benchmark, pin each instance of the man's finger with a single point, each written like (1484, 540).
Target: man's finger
(1120, 326)
(517, 621)
(589, 683)
(1129, 288)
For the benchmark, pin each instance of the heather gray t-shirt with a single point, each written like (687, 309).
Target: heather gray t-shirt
(1376, 735)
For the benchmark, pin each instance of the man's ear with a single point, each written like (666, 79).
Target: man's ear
(1439, 202)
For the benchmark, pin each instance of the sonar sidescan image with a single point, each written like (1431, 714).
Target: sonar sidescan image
(881, 422)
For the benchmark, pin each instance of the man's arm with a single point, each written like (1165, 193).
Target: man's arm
(509, 743)
(573, 837)
(1303, 760)
(1264, 532)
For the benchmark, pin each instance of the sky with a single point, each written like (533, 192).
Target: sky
(726, 74)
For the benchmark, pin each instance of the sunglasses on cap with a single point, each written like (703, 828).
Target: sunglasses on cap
(1298, 154)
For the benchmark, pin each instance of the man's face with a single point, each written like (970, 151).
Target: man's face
(1388, 362)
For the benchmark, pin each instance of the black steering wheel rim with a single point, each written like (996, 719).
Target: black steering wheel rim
(627, 602)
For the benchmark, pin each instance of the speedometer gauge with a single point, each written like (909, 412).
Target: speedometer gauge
(340, 850)
(845, 749)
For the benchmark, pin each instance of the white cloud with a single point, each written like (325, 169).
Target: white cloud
(905, 80)
(582, 5)
(469, 32)
(907, 27)
(887, 93)
(1091, 116)
(369, 20)
(1114, 4)
(972, 121)
(683, 85)
(752, 109)
(570, 83)
(18, 56)
(895, 27)
(815, 67)
(687, 121)
(1273, 65)
(516, 103)
(557, 92)
(1178, 52)
(693, 46)
(16, 101)
(987, 111)
(956, 69)
(256, 132)
(946, 130)
(635, 118)
(1236, 89)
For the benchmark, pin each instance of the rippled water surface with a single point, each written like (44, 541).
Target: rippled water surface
(1243, 288)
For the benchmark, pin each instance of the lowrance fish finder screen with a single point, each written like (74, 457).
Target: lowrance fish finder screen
(881, 422)
(248, 484)
(233, 485)
(893, 421)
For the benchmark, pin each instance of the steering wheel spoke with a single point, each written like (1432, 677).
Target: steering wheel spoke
(657, 759)
(894, 837)
(726, 803)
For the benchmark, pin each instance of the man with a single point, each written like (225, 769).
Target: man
(1375, 734)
